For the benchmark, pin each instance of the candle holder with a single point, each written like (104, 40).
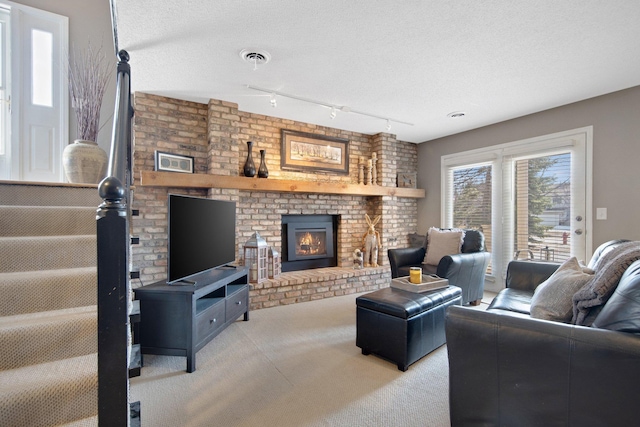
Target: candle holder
(274, 263)
(256, 258)
(374, 169)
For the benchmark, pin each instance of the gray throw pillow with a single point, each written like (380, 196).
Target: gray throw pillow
(552, 299)
(442, 243)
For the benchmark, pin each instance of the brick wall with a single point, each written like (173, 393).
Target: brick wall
(216, 136)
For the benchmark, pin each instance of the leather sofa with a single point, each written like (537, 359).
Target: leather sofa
(465, 270)
(507, 368)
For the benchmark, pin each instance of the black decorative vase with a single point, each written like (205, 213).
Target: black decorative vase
(249, 167)
(263, 172)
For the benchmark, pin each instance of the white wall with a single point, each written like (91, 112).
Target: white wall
(616, 158)
(89, 20)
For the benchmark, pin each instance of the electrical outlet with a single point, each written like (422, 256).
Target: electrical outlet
(601, 213)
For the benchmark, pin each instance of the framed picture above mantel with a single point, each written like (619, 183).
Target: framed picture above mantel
(307, 152)
(169, 162)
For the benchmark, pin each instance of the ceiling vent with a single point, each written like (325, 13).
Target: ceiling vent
(255, 57)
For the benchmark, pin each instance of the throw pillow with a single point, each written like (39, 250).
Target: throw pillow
(552, 299)
(442, 243)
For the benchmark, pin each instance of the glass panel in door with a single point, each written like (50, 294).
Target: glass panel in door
(543, 208)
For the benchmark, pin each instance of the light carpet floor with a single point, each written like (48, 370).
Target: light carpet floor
(295, 365)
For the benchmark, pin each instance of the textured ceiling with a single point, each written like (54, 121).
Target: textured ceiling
(413, 61)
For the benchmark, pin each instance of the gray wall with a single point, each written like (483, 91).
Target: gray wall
(616, 158)
(89, 20)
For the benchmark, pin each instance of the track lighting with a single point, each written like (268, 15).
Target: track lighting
(334, 108)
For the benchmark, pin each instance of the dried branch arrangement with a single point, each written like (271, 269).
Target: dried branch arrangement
(89, 73)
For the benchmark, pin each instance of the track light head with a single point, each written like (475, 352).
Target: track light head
(333, 113)
(388, 127)
(274, 102)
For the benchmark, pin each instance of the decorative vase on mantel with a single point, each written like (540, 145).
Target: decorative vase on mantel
(249, 167)
(84, 162)
(263, 172)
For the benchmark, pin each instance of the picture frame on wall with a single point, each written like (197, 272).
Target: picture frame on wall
(307, 152)
(407, 180)
(168, 162)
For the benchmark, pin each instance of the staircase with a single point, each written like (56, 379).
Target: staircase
(48, 315)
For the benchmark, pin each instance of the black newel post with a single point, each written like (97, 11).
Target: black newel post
(112, 228)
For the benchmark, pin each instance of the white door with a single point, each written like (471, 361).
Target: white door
(43, 97)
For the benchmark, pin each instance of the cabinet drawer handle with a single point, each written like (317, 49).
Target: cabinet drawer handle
(238, 302)
(212, 321)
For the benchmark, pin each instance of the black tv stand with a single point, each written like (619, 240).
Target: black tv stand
(183, 283)
(180, 320)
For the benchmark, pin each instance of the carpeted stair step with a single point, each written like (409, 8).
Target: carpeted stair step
(48, 313)
(47, 252)
(28, 339)
(46, 290)
(23, 194)
(47, 220)
(85, 422)
(49, 394)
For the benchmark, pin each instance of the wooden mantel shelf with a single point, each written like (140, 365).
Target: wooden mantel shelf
(200, 180)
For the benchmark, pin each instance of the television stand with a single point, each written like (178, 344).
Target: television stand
(180, 320)
(183, 283)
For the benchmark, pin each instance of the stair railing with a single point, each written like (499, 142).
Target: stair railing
(112, 221)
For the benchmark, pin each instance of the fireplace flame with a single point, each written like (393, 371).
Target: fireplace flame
(310, 244)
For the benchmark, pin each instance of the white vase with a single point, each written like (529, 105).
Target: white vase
(84, 162)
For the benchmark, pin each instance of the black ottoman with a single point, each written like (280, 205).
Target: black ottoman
(403, 326)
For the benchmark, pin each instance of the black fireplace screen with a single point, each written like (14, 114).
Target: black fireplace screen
(309, 241)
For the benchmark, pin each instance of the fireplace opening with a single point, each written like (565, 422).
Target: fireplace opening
(309, 241)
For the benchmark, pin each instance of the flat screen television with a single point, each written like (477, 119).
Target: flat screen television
(201, 236)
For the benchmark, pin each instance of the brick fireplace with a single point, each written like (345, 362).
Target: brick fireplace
(215, 134)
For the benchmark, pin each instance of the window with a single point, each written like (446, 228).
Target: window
(471, 191)
(529, 198)
(42, 68)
